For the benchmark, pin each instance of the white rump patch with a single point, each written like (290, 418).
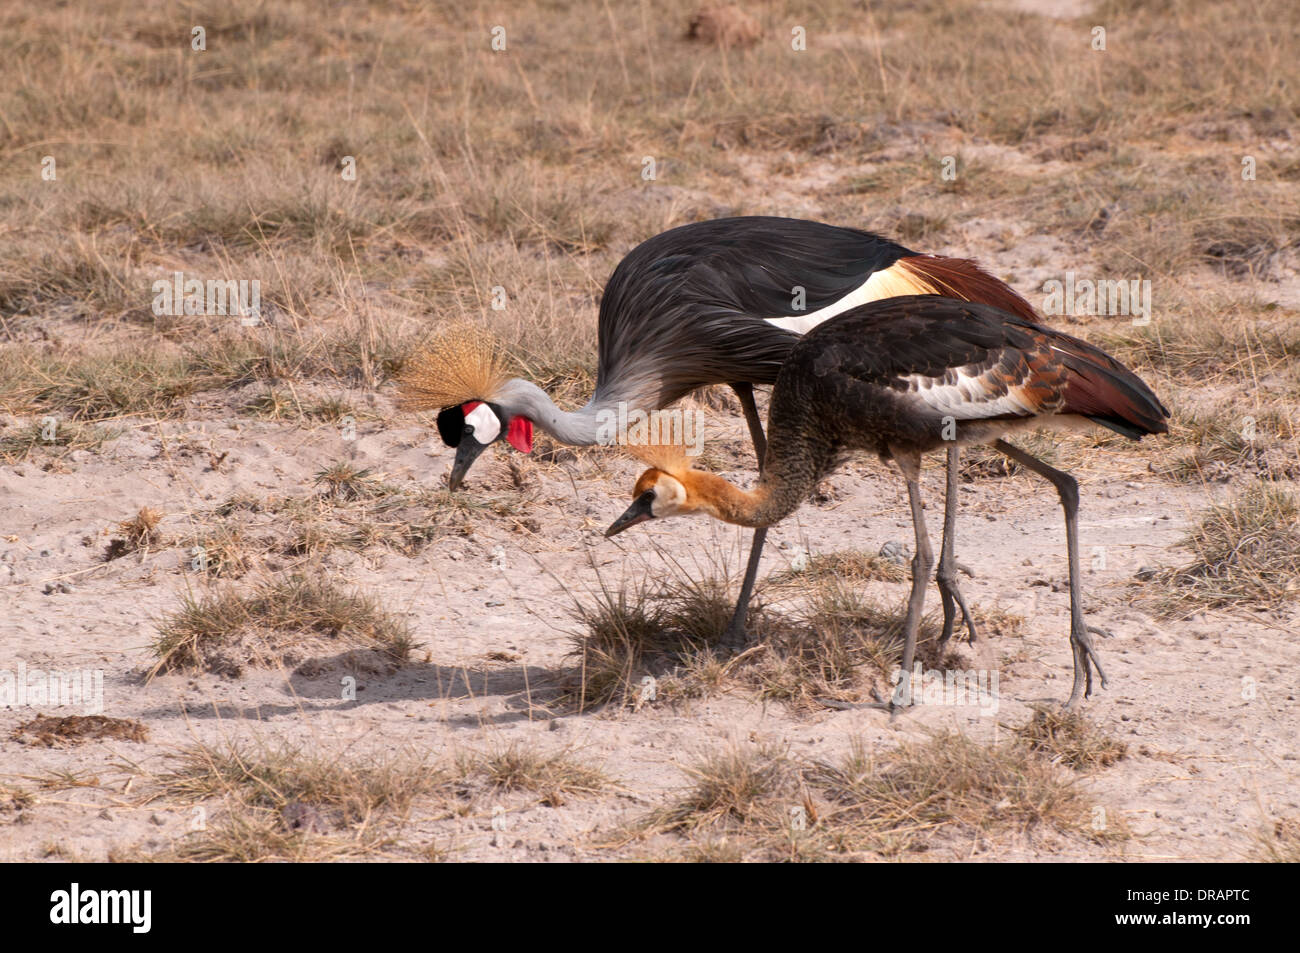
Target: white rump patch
(486, 426)
(887, 283)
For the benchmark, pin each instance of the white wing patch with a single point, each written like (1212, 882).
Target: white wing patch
(887, 283)
(968, 397)
(486, 426)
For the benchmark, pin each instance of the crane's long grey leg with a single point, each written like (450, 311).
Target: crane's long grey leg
(736, 636)
(948, 565)
(1080, 639)
(922, 563)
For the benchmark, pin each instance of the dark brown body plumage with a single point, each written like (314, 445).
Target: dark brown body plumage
(902, 376)
(908, 375)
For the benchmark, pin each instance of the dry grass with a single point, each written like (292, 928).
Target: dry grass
(54, 438)
(668, 632)
(222, 551)
(840, 647)
(281, 802)
(1225, 442)
(140, 532)
(48, 732)
(1069, 738)
(1210, 338)
(734, 786)
(552, 776)
(279, 622)
(846, 565)
(949, 784)
(1247, 553)
(520, 173)
(1281, 843)
(839, 643)
(755, 802)
(343, 481)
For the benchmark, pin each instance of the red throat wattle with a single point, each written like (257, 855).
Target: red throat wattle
(520, 434)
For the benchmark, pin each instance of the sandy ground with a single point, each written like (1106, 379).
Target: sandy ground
(1206, 767)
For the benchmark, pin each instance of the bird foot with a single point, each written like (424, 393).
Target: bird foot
(1098, 630)
(1085, 660)
(952, 600)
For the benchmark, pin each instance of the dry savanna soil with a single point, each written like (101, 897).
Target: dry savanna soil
(306, 648)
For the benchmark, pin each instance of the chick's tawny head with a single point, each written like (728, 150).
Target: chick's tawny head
(657, 494)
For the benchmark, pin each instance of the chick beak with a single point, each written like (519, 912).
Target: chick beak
(638, 512)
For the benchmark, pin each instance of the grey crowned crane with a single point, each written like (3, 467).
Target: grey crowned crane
(889, 378)
(717, 302)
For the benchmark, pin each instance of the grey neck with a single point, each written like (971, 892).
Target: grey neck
(576, 428)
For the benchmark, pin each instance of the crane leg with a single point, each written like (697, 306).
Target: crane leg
(922, 563)
(948, 565)
(1085, 656)
(736, 635)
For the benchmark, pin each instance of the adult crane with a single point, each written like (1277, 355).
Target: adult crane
(715, 302)
(894, 377)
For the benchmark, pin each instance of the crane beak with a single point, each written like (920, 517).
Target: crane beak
(467, 452)
(638, 512)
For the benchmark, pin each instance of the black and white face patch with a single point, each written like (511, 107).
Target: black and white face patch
(485, 419)
(486, 424)
(452, 422)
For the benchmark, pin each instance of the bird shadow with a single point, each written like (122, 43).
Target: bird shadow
(337, 683)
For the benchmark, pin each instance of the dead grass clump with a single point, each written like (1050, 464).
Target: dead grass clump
(58, 437)
(279, 622)
(1281, 843)
(736, 787)
(983, 462)
(1069, 738)
(700, 609)
(552, 775)
(282, 802)
(331, 410)
(223, 551)
(273, 404)
(841, 648)
(667, 636)
(343, 481)
(138, 533)
(902, 799)
(1227, 442)
(998, 623)
(1247, 553)
(849, 564)
(621, 633)
(145, 381)
(1234, 338)
(49, 732)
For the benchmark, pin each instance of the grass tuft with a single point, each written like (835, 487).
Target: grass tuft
(277, 622)
(1069, 738)
(1247, 553)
